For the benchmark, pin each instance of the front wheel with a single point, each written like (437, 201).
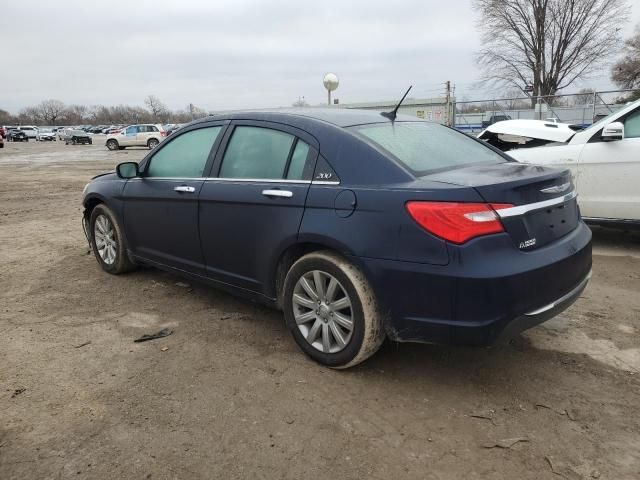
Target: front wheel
(107, 241)
(112, 145)
(152, 143)
(331, 310)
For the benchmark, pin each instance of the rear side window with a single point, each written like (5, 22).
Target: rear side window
(425, 147)
(298, 161)
(185, 156)
(256, 152)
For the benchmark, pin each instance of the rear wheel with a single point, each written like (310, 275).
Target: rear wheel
(107, 241)
(152, 143)
(112, 144)
(331, 310)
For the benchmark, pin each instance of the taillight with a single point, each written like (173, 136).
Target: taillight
(163, 133)
(457, 222)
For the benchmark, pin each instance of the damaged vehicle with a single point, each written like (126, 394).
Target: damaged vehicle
(360, 226)
(77, 137)
(604, 160)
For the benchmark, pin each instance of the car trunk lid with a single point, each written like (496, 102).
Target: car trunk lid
(545, 207)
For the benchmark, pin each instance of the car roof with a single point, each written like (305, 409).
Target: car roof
(341, 117)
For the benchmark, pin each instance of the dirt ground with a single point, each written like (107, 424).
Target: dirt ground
(229, 395)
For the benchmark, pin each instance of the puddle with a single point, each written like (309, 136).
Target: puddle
(556, 335)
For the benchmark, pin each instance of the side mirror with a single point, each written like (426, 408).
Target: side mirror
(127, 170)
(613, 131)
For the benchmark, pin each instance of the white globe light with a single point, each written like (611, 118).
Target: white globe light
(330, 81)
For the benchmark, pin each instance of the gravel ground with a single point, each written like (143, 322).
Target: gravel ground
(229, 395)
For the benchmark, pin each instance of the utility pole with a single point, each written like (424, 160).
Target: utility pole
(448, 103)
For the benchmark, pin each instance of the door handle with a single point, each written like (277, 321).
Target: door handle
(184, 189)
(277, 193)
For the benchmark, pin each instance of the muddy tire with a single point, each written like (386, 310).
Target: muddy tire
(112, 144)
(107, 241)
(331, 310)
(152, 143)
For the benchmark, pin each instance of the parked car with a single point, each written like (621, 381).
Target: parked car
(77, 137)
(604, 160)
(30, 130)
(145, 135)
(174, 128)
(358, 227)
(62, 132)
(3, 132)
(6, 129)
(45, 135)
(495, 119)
(16, 135)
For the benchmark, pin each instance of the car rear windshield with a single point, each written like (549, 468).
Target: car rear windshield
(425, 147)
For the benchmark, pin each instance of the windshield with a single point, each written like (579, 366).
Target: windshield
(425, 147)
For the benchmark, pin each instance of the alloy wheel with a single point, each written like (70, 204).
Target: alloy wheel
(322, 311)
(104, 235)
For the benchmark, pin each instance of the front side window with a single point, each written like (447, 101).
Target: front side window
(425, 147)
(256, 152)
(131, 131)
(632, 125)
(185, 156)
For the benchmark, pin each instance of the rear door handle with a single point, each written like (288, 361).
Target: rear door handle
(184, 189)
(277, 193)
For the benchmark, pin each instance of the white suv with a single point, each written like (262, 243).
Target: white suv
(143, 135)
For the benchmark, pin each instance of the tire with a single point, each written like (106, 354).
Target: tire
(114, 258)
(112, 144)
(74, 141)
(367, 332)
(152, 143)
(90, 142)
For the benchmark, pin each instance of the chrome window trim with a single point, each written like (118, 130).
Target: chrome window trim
(179, 179)
(218, 179)
(522, 209)
(260, 180)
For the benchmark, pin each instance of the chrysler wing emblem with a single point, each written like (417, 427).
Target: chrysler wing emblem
(557, 188)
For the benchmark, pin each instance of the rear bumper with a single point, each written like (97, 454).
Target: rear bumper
(489, 292)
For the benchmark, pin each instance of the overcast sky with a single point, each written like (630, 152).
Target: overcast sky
(223, 54)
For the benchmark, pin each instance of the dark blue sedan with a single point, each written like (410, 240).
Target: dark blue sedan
(357, 227)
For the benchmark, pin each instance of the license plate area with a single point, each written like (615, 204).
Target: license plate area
(541, 227)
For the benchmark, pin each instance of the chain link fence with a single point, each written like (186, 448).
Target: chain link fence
(580, 109)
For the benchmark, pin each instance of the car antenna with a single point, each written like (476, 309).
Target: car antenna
(393, 113)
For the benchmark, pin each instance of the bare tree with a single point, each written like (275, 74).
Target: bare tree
(584, 96)
(549, 43)
(29, 115)
(158, 109)
(50, 110)
(626, 72)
